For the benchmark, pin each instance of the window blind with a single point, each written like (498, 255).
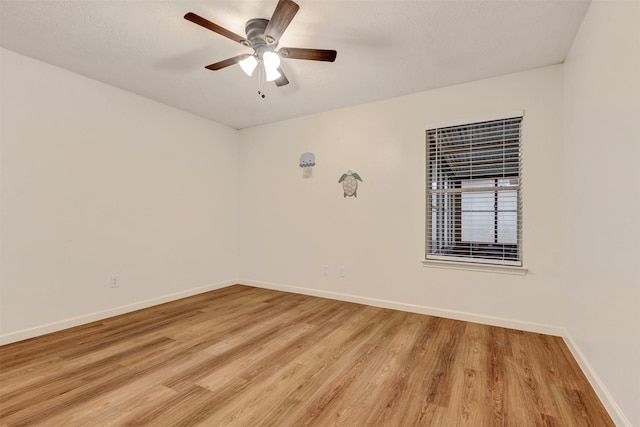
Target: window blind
(474, 202)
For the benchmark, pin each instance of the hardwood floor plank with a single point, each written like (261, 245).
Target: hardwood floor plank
(246, 356)
(27, 374)
(280, 320)
(497, 381)
(400, 403)
(469, 394)
(363, 395)
(300, 380)
(266, 367)
(345, 376)
(115, 407)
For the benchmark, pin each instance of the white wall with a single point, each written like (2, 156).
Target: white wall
(97, 181)
(602, 97)
(291, 227)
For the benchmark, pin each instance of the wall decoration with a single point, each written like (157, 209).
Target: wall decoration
(307, 162)
(349, 182)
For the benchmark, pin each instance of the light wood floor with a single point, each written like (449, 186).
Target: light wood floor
(250, 357)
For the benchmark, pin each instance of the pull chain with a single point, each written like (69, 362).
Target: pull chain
(261, 79)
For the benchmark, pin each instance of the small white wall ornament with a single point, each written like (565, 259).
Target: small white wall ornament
(307, 162)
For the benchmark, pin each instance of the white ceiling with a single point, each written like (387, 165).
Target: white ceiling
(385, 48)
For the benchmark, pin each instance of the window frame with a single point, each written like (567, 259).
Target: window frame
(474, 262)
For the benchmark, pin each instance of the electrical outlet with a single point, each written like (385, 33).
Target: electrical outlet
(115, 281)
(341, 271)
(325, 270)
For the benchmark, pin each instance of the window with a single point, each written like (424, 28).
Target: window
(474, 205)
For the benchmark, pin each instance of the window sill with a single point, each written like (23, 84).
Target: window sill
(470, 266)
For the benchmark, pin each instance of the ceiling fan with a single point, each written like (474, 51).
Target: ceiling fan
(263, 36)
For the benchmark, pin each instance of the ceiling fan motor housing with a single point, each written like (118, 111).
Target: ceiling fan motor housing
(255, 34)
(263, 36)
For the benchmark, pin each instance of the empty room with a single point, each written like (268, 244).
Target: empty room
(289, 213)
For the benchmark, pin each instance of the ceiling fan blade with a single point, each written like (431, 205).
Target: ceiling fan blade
(226, 62)
(308, 54)
(216, 28)
(282, 16)
(282, 80)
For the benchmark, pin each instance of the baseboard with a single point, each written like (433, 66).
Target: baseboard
(414, 308)
(607, 400)
(99, 315)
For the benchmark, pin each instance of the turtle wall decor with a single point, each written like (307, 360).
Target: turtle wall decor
(349, 182)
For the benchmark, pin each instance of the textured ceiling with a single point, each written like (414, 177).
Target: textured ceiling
(385, 48)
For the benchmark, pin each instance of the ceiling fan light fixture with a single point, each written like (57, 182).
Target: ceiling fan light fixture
(271, 74)
(271, 60)
(263, 36)
(249, 64)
